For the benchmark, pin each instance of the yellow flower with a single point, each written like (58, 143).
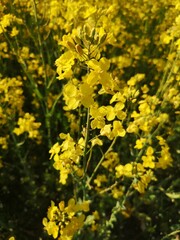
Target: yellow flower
(14, 32)
(28, 124)
(125, 170)
(64, 64)
(110, 115)
(145, 179)
(96, 141)
(118, 129)
(99, 66)
(140, 143)
(117, 192)
(86, 93)
(101, 178)
(165, 160)
(54, 149)
(98, 115)
(62, 221)
(51, 228)
(148, 160)
(106, 131)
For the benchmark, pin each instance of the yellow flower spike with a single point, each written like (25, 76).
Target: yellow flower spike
(64, 173)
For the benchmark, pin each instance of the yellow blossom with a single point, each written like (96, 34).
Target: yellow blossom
(118, 129)
(124, 170)
(28, 124)
(101, 178)
(14, 32)
(140, 143)
(62, 220)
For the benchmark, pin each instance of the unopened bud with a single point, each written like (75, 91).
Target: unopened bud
(79, 49)
(78, 40)
(93, 31)
(86, 30)
(103, 38)
(71, 45)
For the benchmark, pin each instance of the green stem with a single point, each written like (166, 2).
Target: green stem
(101, 160)
(86, 140)
(171, 234)
(40, 41)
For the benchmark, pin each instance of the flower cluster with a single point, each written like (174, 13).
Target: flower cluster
(62, 221)
(28, 124)
(67, 157)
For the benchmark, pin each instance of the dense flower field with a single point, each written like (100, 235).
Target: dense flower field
(89, 119)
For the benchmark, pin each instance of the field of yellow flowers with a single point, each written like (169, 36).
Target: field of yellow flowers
(89, 119)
